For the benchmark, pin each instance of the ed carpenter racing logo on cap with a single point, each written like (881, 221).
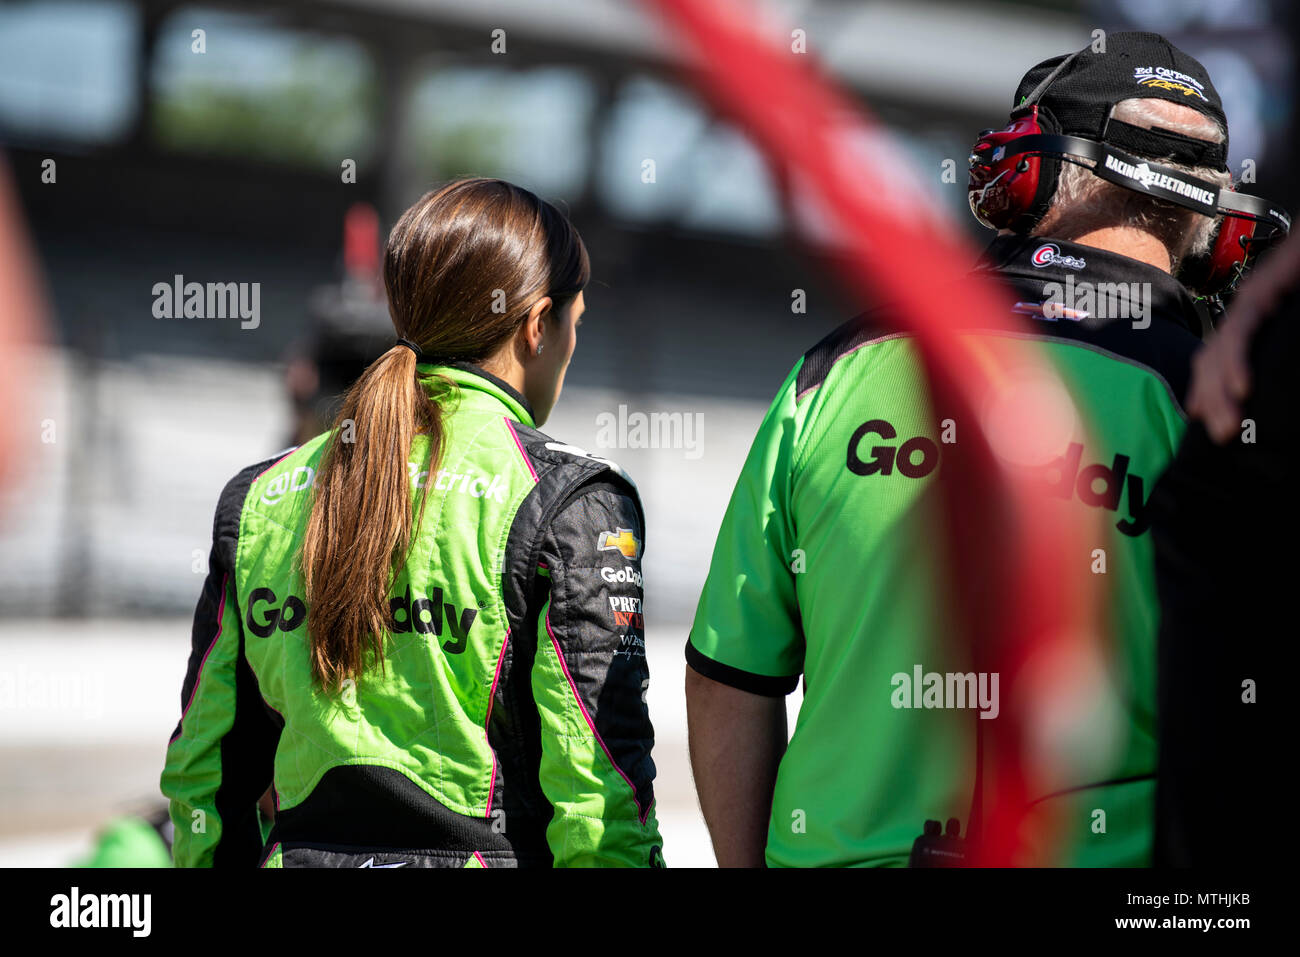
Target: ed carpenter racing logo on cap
(1049, 254)
(1163, 78)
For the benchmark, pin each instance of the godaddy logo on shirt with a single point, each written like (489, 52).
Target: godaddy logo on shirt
(915, 458)
(1098, 485)
(1064, 478)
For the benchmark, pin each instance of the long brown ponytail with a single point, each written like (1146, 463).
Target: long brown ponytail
(462, 268)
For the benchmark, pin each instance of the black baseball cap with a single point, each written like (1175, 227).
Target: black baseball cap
(1077, 100)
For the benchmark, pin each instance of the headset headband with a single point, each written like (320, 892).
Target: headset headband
(1146, 176)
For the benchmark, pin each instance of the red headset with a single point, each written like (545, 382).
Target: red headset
(1014, 172)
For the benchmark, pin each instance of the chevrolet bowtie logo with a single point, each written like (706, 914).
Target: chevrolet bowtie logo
(624, 541)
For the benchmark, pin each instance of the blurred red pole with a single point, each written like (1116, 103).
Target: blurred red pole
(22, 322)
(900, 250)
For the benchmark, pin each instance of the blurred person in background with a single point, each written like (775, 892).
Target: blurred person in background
(1224, 522)
(424, 628)
(827, 566)
(348, 326)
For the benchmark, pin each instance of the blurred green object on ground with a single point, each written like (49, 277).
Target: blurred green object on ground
(128, 842)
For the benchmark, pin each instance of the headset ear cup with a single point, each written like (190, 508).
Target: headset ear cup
(1003, 190)
(1212, 271)
(1049, 172)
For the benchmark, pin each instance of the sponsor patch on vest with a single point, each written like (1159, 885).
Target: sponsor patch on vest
(622, 541)
(1049, 254)
(626, 574)
(627, 612)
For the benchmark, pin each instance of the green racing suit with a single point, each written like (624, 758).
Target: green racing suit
(508, 726)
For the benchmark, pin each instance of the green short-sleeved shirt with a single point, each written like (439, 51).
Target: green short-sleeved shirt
(825, 568)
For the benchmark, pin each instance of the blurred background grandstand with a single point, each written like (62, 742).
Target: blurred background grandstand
(217, 142)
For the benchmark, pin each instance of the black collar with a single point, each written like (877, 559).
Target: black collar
(1017, 259)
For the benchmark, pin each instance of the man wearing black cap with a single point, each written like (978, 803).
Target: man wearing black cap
(1145, 98)
(825, 568)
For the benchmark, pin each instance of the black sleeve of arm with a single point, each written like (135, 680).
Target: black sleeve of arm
(245, 747)
(593, 549)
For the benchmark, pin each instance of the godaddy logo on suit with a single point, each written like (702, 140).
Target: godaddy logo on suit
(1064, 476)
(621, 575)
(423, 615)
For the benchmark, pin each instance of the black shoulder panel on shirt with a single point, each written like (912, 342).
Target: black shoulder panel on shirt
(1162, 344)
(858, 331)
(1164, 349)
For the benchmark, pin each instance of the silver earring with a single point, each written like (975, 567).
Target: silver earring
(539, 348)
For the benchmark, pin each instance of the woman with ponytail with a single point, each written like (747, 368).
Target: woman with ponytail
(423, 629)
